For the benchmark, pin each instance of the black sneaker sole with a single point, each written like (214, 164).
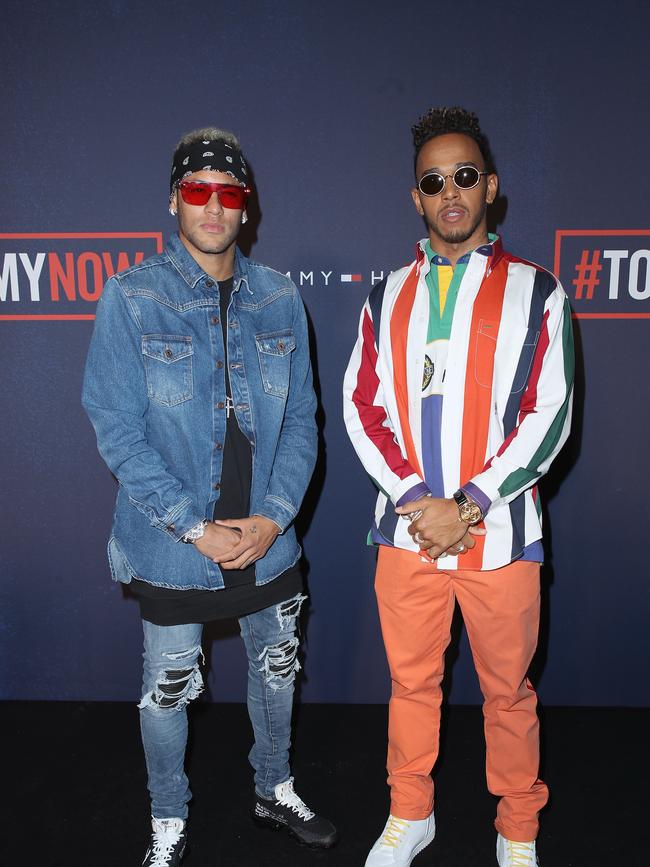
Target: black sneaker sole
(272, 825)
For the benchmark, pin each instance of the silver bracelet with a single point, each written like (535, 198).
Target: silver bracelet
(195, 533)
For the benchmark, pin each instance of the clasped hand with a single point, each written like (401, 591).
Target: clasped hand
(235, 543)
(437, 527)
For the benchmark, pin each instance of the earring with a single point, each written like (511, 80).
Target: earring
(172, 211)
(244, 217)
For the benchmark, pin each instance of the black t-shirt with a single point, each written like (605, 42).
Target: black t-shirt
(240, 596)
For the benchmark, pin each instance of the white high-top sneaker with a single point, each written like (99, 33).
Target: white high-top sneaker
(400, 841)
(513, 854)
(167, 844)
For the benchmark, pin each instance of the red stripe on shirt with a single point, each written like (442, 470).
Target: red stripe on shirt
(399, 329)
(373, 417)
(529, 400)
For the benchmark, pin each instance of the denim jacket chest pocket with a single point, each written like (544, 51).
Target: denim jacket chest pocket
(168, 367)
(274, 350)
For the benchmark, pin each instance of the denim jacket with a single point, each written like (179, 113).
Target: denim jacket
(154, 389)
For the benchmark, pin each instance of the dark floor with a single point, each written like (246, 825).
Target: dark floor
(76, 780)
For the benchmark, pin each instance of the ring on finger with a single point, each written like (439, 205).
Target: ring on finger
(412, 516)
(418, 539)
(461, 548)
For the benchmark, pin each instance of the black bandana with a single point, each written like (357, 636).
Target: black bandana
(215, 156)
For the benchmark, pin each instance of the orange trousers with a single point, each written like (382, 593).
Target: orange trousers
(501, 612)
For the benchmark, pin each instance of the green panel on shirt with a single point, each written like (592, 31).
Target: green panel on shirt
(440, 326)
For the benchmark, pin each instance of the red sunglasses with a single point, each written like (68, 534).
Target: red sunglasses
(199, 193)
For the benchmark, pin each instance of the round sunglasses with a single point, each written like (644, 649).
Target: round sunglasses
(199, 193)
(465, 178)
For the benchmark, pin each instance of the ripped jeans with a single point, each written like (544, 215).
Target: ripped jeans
(172, 678)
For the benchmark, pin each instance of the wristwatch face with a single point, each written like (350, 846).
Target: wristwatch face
(470, 513)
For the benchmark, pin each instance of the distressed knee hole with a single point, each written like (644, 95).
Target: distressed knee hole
(289, 610)
(280, 663)
(186, 654)
(175, 689)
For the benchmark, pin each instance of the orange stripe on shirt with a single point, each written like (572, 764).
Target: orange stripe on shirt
(486, 319)
(399, 329)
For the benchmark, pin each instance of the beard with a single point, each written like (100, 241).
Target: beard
(457, 236)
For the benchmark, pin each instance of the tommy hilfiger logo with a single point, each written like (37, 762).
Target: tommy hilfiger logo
(61, 275)
(315, 277)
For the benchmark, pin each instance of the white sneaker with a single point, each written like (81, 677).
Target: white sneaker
(168, 839)
(400, 841)
(513, 854)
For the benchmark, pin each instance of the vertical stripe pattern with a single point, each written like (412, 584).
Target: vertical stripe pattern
(507, 400)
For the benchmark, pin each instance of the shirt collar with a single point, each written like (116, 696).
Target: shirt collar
(492, 250)
(191, 271)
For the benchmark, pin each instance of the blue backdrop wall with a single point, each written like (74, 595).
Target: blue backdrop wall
(94, 97)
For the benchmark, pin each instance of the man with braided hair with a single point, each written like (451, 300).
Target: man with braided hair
(457, 398)
(199, 386)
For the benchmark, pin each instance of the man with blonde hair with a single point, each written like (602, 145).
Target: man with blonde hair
(198, 384)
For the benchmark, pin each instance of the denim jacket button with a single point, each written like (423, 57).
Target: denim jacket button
(209, 283)
(219, 365)
(215, 320)
(168, 353)
(220, 405)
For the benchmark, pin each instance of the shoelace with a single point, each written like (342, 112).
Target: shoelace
(290, 799)
(394, 831)
(164, 840)
(521, 854)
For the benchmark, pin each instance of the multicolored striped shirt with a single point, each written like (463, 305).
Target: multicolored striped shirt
(508, 386)
(443, 282)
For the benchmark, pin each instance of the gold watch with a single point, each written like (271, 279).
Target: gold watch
(469, 512)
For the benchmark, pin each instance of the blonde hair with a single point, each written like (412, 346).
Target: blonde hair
(208, 133)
